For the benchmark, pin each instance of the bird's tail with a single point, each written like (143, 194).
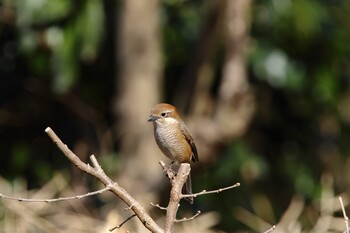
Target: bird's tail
(188, 189)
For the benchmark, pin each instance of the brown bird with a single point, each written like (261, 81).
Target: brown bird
(173, 138)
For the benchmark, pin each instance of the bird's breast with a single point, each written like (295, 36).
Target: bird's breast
(172, 143)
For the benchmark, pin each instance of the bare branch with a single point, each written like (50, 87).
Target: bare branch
(344, 214)
(98, 173)
(175, 195)
(69, 154)
(121, 224)
(204, 192)
(55, 199)
(271, 229)
(188, 219)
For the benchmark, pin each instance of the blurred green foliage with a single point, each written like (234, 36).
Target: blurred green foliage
(69, 32)
(299, 68)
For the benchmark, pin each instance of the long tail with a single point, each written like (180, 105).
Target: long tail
(188, 189)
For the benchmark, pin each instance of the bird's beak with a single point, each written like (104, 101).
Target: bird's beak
(152, 118)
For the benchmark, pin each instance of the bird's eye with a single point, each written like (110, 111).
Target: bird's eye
(164, 114)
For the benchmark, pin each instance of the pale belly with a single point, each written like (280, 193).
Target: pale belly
(174, 147)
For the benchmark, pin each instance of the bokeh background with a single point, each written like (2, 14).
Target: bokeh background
(263, 85)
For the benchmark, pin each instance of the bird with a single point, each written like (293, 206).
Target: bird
(173, 138)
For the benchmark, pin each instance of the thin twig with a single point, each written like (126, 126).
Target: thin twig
(271, 229)
(188, 219)
(158, 206)
(55, 199)
(121, 224)
(204, 192)
(344, 214)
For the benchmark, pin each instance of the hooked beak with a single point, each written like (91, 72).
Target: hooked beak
(152, 118)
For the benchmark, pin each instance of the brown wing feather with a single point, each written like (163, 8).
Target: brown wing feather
(190, 141)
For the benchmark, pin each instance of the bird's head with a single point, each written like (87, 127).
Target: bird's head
(163, 114)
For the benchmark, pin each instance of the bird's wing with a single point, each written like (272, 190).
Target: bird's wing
(190, 141)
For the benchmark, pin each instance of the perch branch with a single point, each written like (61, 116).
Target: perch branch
(177, 181)
(175, 195)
